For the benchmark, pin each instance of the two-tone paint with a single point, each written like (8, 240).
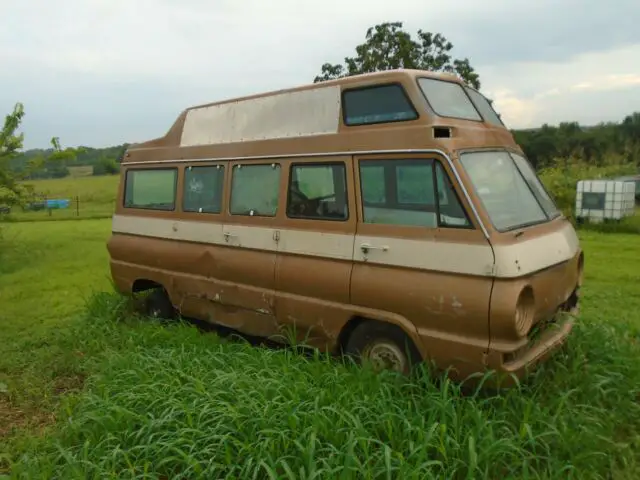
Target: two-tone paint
(454, 292)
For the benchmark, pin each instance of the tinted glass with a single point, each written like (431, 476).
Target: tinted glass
(203, 189)
(385, 103)
(318, 192)
(448, 99)
(153, 189)
(254, 190)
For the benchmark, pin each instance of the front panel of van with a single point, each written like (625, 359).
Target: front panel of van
(538, 259)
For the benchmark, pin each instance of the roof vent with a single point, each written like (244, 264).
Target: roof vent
(441, 132)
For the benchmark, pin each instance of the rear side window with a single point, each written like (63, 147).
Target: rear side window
(379, 104)
(254, 190)
(151, 188)
(203, 189)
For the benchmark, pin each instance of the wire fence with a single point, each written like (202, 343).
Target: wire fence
(43, 208)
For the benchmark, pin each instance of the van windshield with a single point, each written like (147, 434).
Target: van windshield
(509, 189)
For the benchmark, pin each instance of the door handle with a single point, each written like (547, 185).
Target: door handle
(228, 235)
(365, 247)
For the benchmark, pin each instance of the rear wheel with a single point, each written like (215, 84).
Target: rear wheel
(158, 305)
(384, 346)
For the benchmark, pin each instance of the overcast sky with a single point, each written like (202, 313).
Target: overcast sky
(104, 72)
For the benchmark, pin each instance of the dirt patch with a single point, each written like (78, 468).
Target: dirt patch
(27, 416)
(13, 418)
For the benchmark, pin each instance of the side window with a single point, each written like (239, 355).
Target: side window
(451, 212)
(411, 181)
(372, 175)
(318, 191)
(151, 188)
(379, 104)
(254, 190)
(398, 192)
(203, 189)
(403, 192)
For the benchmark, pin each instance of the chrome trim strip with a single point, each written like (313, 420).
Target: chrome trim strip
(332, 154)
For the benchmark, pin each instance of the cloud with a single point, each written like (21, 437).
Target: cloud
(594, 87)
(106, 71)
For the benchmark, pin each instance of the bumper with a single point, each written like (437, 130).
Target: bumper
(542, 347)
(550, 336)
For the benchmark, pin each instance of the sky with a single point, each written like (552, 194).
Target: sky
(105, 72)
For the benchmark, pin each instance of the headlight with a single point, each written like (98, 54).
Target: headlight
(525, 310)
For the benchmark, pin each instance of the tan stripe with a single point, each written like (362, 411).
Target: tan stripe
(467, 259)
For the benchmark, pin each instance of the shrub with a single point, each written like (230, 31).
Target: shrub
(106, 166)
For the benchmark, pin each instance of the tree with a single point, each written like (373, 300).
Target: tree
(11, 191)
(388, 47)
(53, 163)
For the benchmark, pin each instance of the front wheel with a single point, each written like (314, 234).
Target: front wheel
(384, 346)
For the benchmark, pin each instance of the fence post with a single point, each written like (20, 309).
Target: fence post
(77, 205)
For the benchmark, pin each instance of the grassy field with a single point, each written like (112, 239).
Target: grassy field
(96, 196)
(88, 389)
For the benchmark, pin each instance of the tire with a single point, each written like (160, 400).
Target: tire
(384, 346)
(158, 305)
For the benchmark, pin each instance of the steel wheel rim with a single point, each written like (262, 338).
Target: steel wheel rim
(386, 356)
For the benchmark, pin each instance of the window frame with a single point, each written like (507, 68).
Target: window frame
(244, 164)
(293, 165)
(398, 161)
(447, 178)
(424, 95)
(343, 104)
(221, 166)
(147, 169)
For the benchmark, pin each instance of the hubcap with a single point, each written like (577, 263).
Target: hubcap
(386, 356)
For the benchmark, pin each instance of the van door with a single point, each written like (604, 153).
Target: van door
(419, 258)
(247, 264)
(315, 250)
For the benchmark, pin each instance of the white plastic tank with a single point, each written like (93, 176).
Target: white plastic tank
(599, 200)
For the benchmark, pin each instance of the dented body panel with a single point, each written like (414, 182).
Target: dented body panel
(453, 289)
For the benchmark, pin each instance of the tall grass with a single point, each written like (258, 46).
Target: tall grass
(171, 402)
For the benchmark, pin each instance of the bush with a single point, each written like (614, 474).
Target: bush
(106, 166)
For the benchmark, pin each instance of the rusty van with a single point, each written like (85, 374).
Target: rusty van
(390, 215)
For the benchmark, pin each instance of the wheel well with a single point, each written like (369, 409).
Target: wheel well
(355, 321)
(142, 285)
(347, 330)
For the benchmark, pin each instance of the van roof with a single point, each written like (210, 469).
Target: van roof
(374, 77)
(242, 126)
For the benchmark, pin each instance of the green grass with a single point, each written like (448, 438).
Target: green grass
(96, 196)
(93, 391)
(46, 273)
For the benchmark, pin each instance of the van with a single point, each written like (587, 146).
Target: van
(390, 216)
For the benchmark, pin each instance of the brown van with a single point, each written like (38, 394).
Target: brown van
(389, 215)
